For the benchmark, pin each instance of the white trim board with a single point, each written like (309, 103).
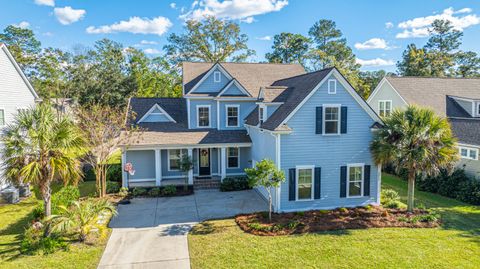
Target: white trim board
(377, 89)
(197, 107)
(239, 86)
(212, 69)
(150, 111)
(226, 116)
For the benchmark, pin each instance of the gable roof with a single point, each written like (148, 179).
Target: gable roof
(4, 48)
(229, 85)
(251, 76)
(156, 106)
(175, 107)
(433, 92)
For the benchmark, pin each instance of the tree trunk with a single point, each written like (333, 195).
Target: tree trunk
(104, 180)
(269, 207)
(411, 188)
(96, 170)
(46, 196)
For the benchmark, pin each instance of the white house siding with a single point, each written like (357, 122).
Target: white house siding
(385, 92)
(14, 94)
(472, 167)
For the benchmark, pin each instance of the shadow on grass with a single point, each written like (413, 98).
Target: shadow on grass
(466, 220)
(11, 249)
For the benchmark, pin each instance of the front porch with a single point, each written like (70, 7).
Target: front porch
(160, 166)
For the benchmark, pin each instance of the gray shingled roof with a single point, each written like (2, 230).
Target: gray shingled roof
(298, 88)
(252, 76)
(466, 130)
(171, 133)
(432, 92)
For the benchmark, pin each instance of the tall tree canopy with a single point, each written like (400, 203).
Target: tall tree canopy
(210, 40)
(289, 48)
(441, 56)
(23, 45)
(370, 80)
(331, 50)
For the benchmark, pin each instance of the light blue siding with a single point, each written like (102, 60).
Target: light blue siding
(271, 109)
(304, 147)
(143, 162)
(467, 105)
(156, 118)
(245, 161)
(245, 109)
(386, 92)
(209, 85)
(193, 112)
(164, 165)
(233, 90)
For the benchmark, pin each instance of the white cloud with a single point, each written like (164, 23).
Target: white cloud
(50, 3)
(265, 38)
(375, 62)
(388, 25)
(173, 5)
(374, 43)
(248, 20)
(68, 15)
(147, 42)
(22, 24)
(233, 9)
(151, 51)
(135, 25)
(418, 27)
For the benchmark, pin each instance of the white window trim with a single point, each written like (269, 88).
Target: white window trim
(209, 116)
(226, 115)
(162, 112)
(4, 117)
(330, 90)
(477, 109)
(297, 168)
(384, 107)
(217, 76)
(238, 156)
(361, 165)
(468, 153)
(325, 106)
(168, 158)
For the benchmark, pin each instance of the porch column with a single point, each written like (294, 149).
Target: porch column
(158, 167)
(223, 160)
(190, 173)
(124, 174)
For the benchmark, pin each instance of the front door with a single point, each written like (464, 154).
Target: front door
(204, 162)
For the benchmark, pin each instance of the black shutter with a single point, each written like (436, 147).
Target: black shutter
(366, 180)
(291, 184)
(318, 120)
(343, 123)
(343, 181)
(318, 182)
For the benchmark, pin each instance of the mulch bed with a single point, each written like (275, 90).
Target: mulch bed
(338, 219)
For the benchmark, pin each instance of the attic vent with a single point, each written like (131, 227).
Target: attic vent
(217, 77)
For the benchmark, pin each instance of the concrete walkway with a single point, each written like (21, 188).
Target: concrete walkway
(152, 232)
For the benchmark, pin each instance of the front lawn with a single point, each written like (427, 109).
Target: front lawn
(221, 244)
(14, 219)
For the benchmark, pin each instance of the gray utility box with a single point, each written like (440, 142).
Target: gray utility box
(10, 195)
(24, 190)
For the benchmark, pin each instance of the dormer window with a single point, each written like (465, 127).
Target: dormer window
(261, 116)
(217, 77)
(332, 86)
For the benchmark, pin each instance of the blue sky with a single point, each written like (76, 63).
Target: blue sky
(378, 31)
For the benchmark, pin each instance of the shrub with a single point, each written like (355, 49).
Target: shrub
(113, 187)
(343, 210)
(66, 196)
(34, 241)
(390, 199)
(259, 227)
(169, 190)
(123, 191)
(300, 213)
(139, 191)
(154, 192)
(235, 184)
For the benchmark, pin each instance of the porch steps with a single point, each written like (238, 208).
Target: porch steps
(206, 183)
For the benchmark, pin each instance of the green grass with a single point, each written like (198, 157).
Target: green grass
(14, 219)
(221, 244)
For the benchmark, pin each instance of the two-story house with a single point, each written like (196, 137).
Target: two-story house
(314, 126)
(458, 99)
(16, 93)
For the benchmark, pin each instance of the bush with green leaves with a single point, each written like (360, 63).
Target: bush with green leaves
(123, 192)
(154, 192)
(390, 199)
(169, 190)
(139, 191)
(235, 184)
(35, 242)
(66, 196)
(113, 187)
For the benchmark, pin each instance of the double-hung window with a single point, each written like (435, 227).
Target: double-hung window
(203, 116)
(2, 117)
(232, 115)
(355, 180)
(468, 153)
(331, 119)
(385, 108)
(174, 156)
(304, 182)
(233, 155)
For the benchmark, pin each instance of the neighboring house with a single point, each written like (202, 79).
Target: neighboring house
(314, 126)
(458, 99)
(16, 93)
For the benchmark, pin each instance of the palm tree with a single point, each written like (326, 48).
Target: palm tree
(415, 139)
(40, 148)
(82, 218)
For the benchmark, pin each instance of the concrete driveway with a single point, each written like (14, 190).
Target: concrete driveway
(152, 232)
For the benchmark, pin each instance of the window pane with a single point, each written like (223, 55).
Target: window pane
(388, 105)
(2, 117)
(473, 154)
(331, 113)
(382, 106)
(464, 152)
(331, 127)
(260, 114)
(355, 189)
(305, 178)
(203, 116)
(355, 173)
(204, 161)
(232, 161)
(232, 116)
(174, 157)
